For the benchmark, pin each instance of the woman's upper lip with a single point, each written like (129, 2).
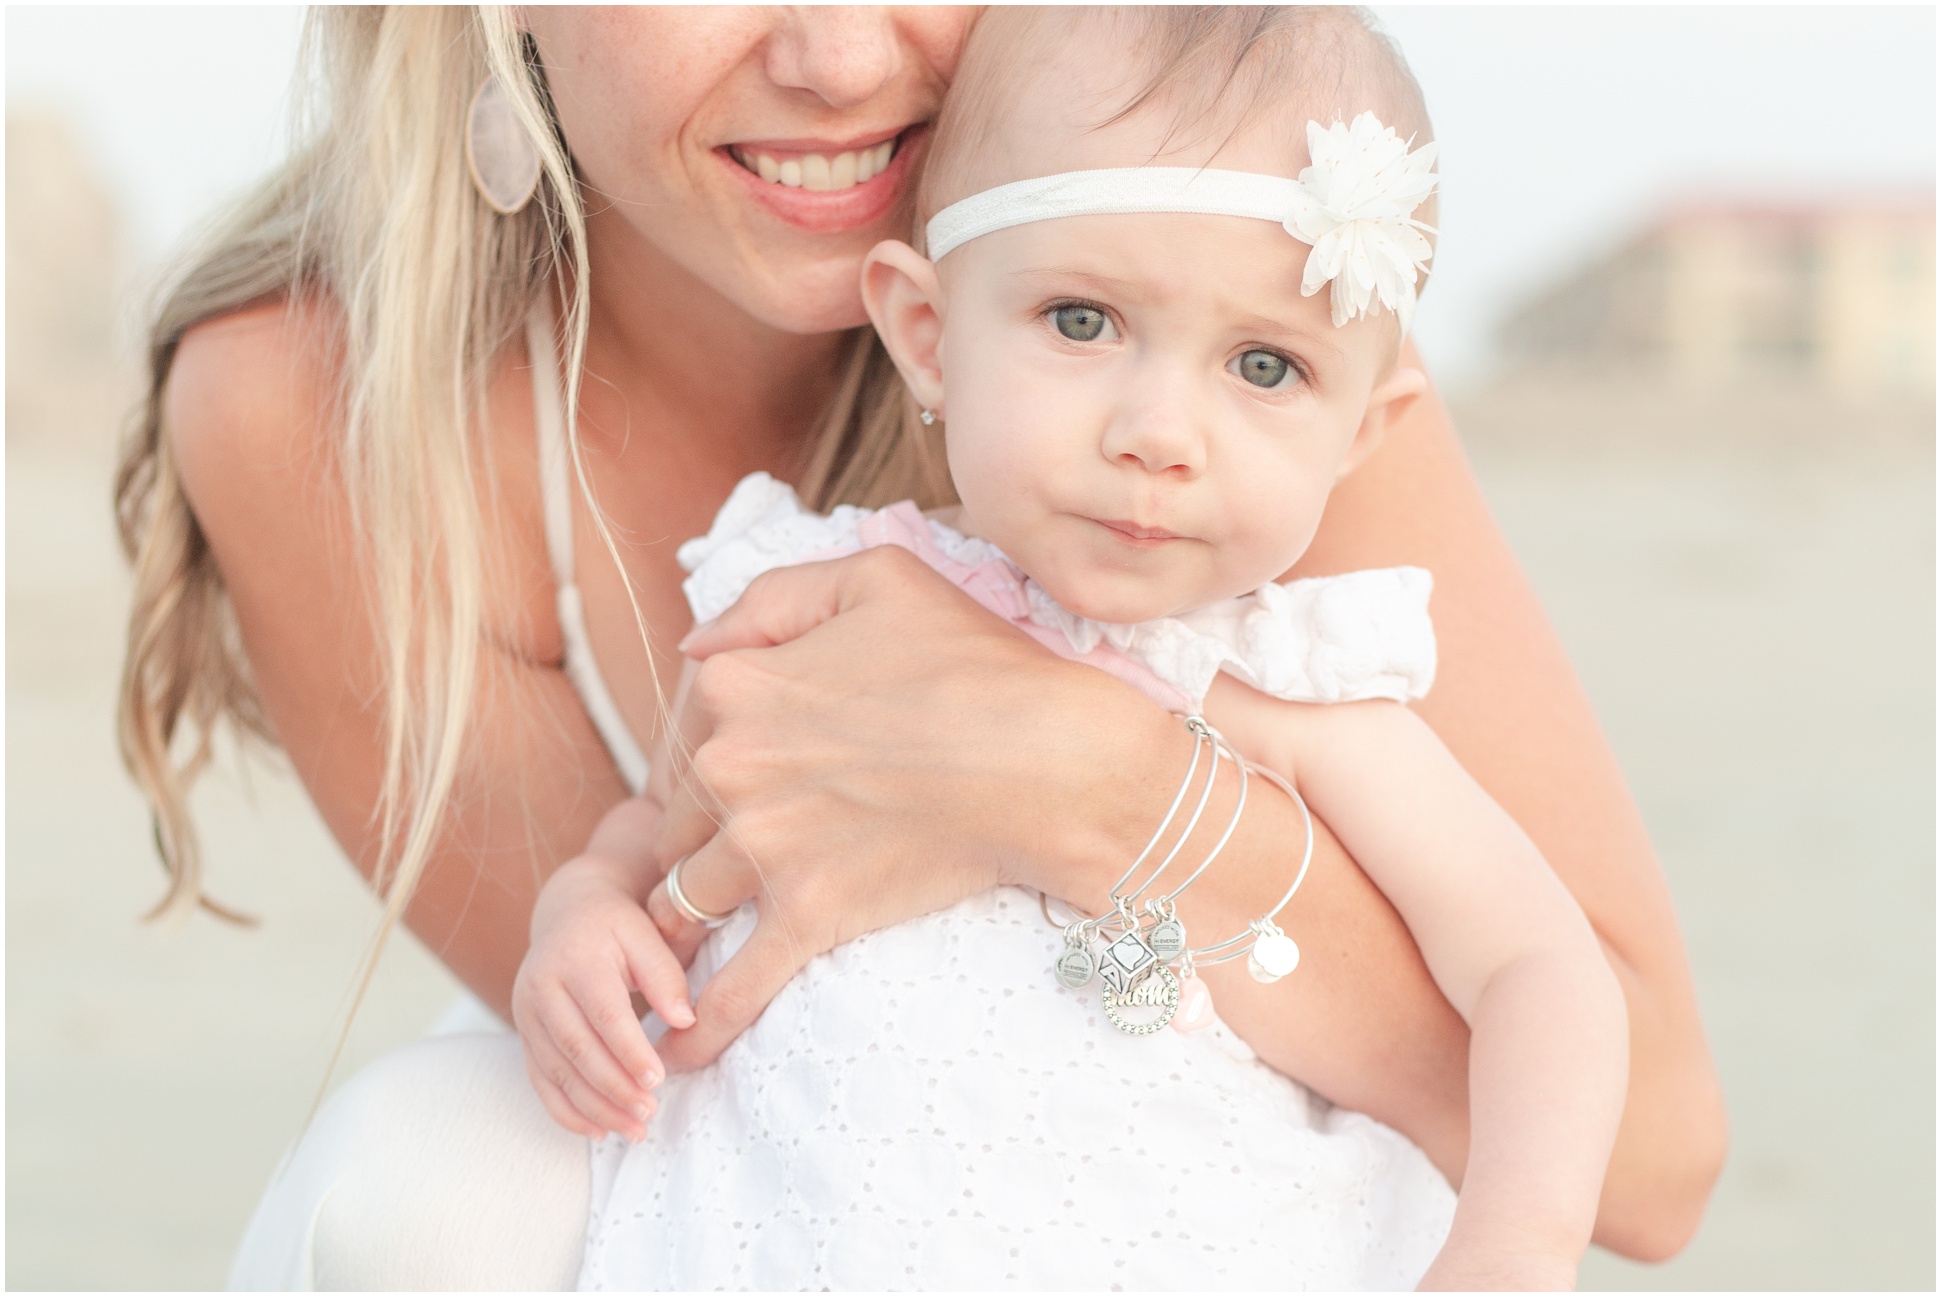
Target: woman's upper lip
(867, 140)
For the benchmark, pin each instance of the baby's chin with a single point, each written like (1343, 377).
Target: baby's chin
(1122, 602)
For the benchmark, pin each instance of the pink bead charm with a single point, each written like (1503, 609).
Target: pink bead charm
(1195, 1005)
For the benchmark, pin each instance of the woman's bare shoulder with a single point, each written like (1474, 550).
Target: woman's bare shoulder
(249, 397)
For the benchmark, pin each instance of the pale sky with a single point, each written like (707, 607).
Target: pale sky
(1561, 128)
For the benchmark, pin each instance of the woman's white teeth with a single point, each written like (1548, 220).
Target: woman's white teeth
(814, 171)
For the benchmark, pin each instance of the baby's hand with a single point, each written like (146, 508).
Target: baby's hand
(1459, 1268)
(586, 1053)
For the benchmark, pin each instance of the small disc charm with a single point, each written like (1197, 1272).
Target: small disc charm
(1273, 957)
(1159, 993)
(1075, 967)
(1167, 939)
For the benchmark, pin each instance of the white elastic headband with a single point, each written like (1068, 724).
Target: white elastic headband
(1354, 205)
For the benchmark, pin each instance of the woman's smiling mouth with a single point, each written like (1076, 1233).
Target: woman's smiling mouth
(815, 171)
(826, 185)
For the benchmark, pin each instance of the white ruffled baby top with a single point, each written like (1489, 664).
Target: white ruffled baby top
(1323, 639)
(925, 1107)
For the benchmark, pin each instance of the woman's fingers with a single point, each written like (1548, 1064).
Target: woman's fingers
(618, 1100)
(715, 879)
(787, 603)
(657, 975)
(735, 996)
(687, 824)
(777, 606)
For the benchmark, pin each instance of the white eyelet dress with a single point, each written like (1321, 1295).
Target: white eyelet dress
(927, 1108)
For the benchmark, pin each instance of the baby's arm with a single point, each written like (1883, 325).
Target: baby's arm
(592, 944)
(1509, 948)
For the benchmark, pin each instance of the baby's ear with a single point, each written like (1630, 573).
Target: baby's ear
(1390, 400)
(905, 301)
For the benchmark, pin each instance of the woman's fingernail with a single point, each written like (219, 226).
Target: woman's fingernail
(684, 1015)
(652, 1077)
(642, 1112)
(688, 639)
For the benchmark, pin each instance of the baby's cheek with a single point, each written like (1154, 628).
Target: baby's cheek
(1279, 525)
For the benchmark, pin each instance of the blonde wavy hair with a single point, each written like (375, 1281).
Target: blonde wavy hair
(375, 212)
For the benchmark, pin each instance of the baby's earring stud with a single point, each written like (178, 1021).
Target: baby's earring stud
(927, 417)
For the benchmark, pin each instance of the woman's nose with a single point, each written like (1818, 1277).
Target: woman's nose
(841, 54)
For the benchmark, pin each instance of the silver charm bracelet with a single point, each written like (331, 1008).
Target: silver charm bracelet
(1273, 954)
(1135, 966)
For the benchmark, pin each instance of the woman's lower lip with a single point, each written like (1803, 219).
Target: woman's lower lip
(833, 211)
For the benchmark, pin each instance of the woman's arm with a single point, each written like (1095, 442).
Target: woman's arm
(885, 690)
(246, 417)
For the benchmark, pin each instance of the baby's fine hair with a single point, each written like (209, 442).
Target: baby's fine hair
(1215, 69)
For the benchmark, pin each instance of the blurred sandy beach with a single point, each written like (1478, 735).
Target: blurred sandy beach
(1753, 615)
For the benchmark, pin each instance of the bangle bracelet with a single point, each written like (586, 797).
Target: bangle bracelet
(1273, 954)
(1135, 966)
(1077, 964)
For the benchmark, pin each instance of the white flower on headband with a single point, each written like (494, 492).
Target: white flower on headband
(1356, 209)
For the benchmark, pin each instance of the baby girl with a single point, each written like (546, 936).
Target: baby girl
(1156, 317)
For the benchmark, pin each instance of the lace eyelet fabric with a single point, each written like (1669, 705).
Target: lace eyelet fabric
(925, 1107)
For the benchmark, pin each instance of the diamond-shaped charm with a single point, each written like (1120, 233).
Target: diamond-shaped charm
(1126, 963)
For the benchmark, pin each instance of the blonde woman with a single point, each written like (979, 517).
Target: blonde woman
(427, 421)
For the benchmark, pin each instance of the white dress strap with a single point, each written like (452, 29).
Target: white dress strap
(555, 484)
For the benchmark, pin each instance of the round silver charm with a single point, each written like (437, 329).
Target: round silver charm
(1075, 967)
(1167, 939)
(1273, 957)
(1160, 992)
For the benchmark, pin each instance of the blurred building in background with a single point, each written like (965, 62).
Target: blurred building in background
(69, 387)
(1732, 319)
(1723, 291)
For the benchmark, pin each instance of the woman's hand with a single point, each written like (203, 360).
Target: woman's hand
(881, 747)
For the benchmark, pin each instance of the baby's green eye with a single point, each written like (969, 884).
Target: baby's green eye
(1079, 323)
(1264, 368)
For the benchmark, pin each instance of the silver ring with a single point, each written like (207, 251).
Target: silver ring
(687, 907)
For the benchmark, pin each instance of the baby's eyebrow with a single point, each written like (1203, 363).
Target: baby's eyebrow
(1276, 329)
(1105, 283)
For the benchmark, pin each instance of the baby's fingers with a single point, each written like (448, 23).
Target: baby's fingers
(558, 1106)
(592, 1078)
(619, 1061)
(591, 1106)
(655, 971)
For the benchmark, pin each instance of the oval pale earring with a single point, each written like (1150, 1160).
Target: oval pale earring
(504, 161)
(927, 418)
